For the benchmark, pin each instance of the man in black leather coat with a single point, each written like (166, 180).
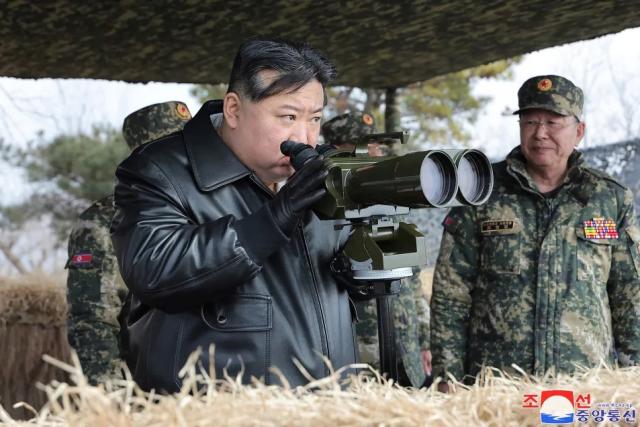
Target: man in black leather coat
(212, 256)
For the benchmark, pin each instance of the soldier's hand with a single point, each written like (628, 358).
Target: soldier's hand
(303, 189)
(426, 361)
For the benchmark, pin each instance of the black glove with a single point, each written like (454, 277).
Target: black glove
(302, 190)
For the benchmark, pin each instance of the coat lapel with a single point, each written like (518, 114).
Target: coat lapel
(213, 164)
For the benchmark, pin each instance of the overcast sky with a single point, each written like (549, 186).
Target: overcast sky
(606, 68)
(608, 71)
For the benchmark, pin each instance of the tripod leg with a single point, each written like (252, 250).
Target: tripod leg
(386, 337)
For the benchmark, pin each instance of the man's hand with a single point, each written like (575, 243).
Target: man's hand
(426, 361)
(303, 189)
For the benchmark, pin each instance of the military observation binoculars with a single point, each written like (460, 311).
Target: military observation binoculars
(424, 179)
(372, 193)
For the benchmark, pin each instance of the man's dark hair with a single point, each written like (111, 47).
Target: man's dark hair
(296, 64)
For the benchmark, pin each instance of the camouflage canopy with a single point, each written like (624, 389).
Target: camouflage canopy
(373, 44)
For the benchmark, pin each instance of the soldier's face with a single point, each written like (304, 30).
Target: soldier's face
(547, 139)
(263, 126)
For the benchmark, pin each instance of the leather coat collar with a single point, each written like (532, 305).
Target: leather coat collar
(213, 163)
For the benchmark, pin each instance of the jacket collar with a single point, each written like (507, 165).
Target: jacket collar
(576, 179)
(213, 163)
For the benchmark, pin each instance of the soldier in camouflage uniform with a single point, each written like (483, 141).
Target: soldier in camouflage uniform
(410, 308)
(343, 131)
(96, 291)
(545, 275)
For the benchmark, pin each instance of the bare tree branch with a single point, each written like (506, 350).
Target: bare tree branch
(7, 251)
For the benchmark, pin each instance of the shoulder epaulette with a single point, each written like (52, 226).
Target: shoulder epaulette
(603, 175)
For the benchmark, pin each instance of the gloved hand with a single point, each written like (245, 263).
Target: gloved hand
(303, 189)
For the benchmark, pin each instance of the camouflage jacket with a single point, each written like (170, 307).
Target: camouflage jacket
(523, 279)
(411, 322)
(95, 292)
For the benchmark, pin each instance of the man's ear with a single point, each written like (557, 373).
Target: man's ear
(231, 109)
(580, 130)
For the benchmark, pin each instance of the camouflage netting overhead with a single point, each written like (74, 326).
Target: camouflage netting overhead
(373, 43)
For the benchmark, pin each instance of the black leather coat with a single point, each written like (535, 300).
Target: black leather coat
(191, 256)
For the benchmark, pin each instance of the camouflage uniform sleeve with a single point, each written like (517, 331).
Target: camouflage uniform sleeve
(623, 287)
(94, 293)
(454, 278)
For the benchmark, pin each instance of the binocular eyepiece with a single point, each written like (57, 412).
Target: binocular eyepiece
(298, 153)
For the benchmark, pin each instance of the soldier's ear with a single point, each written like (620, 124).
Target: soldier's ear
(231, 109)
(580, 130)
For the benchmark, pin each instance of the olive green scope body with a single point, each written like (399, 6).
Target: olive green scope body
(360, 186)
(374, 193)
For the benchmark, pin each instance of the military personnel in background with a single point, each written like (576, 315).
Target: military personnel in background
(344, 130)
(545, 275)
(95, 289)
(410, 309)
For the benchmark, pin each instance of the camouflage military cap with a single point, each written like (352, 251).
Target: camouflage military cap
(154, 121)
(552, 93)
(347, 128)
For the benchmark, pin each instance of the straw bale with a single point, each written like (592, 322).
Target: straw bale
(32, 323)
(495, 400)
(32, 299)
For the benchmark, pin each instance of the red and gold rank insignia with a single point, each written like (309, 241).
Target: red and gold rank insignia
(183, 111)
(545, 85)
(367, 119)
(600, 228)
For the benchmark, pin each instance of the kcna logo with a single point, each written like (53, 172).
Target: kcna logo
(556, 406)
(560, 407)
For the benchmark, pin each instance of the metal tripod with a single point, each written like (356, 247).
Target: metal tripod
(385, 292)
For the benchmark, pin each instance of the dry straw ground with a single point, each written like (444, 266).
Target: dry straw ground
(32, 317)
(362, 401)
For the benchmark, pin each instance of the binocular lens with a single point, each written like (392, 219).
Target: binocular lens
(438, 178)
(475, 177)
